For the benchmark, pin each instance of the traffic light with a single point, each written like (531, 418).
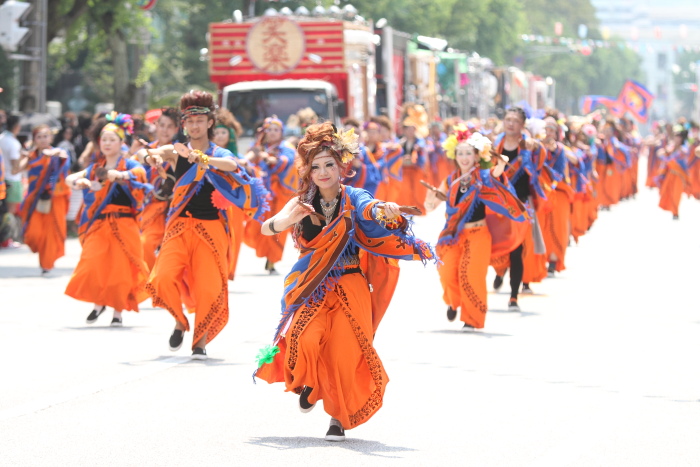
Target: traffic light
(11, 33)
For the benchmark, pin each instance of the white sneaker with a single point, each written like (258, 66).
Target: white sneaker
(513, 305)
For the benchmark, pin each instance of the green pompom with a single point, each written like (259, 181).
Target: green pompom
(267, 354)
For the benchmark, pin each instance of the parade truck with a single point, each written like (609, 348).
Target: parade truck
(279, 64)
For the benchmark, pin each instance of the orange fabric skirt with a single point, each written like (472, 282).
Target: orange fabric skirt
(329, 347)
(534, 265)
(579, 218)
(555, 225)
(111, 270)
(266, 246)
(671, 191)
(152, 221)
(383, 275)
(46, 233)
(463, 274)
(192, 268)
(412, 192)
(236, 222)
(609, 184)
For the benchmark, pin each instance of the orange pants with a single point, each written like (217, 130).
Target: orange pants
(671, 191)
(266, 246)
(555, 224)
(193, 263)
(390, 190)
(152, 222)
(46, 233)
(236, 222)
(579, 218)
(463, 274)
(111, 270)
(383, 274)
(412, 192)
(329, 347)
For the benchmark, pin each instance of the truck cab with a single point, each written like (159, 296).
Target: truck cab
(252, 101)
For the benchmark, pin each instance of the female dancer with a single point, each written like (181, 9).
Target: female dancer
(273, 160)
(111, 270)
(464, 246)
(45, 205)
(323, 348)
(672, 177)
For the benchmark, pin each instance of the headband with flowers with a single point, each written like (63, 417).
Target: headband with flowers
(482, 144)
(345, 144)
(460, 134)
(121, 124)
(269, 121)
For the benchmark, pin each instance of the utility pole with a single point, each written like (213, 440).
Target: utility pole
(33, 68)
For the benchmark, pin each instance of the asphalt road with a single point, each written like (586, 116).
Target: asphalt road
(600, 368)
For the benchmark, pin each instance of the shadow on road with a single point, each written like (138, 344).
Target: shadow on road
(522, 314)
(371, 448)
(20, 272)
(100, 328)
(467, 333)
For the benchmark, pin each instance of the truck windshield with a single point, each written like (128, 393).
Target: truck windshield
(252, 106)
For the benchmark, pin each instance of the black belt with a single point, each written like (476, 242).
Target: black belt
(355, 270)
(114, 214)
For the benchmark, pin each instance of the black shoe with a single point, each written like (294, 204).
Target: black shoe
(94, 314)
(176, 339)
(497, 283)
(304, 405)
(551, 269)
(199, 353)
(675, 217)
(335, 431)
(513, 305)
(451, 313)
(467, 328)
(270, 268)
(116, 322)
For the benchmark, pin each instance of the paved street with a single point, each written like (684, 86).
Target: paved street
(600, 368)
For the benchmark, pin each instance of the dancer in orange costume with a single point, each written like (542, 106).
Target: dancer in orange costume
(412, 192)
(111, 271)
(613, 160)
(555, 214)
(192, 266)
(152, 218)
(582, 140)
(226, 133)
(526, 171)
(273, 160)
(43, 211)
(323, 348)
(387, 155)
(464, 246)
(672, 178)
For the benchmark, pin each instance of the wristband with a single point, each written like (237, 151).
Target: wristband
(271, 226)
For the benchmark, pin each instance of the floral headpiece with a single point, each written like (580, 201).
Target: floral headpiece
(345, 144)
(121, 124)
(460, 134)
(417, 117)
(482, 144)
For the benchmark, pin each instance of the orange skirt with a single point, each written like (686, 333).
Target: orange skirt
(609, 184)
(383, 275)
(555, 226)
(111, 270)
(463, 274)
(266, 246)
(534, 265)
(236, 222)
(329, 347)
(152, 221)
(46, 233)
(192, 268)
(412, 192)
(671, 191)
(579, 218)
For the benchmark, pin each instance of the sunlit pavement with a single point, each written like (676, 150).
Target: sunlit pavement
(600, 368)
